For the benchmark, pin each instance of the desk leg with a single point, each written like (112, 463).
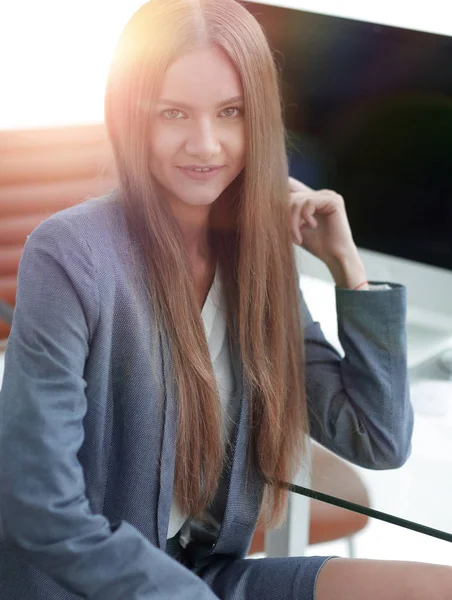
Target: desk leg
(292, 537)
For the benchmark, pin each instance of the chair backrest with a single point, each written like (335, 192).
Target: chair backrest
(41, 172)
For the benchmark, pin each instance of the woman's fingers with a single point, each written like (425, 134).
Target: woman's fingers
(302, 217)
(319, 222)
(323, 201)
(307, 205)
(308, 210)
(297, 222)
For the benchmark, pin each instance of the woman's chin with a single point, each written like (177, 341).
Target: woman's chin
(199, 199)
(200, 203)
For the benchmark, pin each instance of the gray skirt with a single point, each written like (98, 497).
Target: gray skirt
(291, 578)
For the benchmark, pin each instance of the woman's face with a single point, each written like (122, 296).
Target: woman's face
(198, 123)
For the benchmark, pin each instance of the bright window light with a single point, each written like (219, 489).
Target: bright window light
(54, 54)
(54, 58)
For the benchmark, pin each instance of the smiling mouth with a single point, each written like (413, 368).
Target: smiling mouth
(201, 174)
(202, 169)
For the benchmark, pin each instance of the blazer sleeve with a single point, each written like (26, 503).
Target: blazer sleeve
(359, 405)
(45, 516)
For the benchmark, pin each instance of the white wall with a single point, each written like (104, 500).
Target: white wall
(54, 54)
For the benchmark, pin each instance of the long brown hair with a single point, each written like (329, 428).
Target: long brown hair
(250, 230)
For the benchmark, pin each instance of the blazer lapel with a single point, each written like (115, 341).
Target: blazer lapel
(244, 493)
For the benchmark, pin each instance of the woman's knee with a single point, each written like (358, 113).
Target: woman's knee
(347, 579)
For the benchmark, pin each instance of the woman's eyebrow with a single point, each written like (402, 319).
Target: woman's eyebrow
(185, 105)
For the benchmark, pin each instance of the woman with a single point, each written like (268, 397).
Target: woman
(158, 384)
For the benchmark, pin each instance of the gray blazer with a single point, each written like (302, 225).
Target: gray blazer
(87, 418)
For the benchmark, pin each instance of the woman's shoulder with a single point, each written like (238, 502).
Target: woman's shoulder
(95, 213)
(95, 225)
(91, 243)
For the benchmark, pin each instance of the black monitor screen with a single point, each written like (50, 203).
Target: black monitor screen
(368, 111)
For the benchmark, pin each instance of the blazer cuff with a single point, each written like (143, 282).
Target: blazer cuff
(350, 303)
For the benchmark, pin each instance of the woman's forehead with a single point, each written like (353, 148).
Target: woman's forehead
(200, 77)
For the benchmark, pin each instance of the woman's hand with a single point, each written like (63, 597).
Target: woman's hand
(320, 225)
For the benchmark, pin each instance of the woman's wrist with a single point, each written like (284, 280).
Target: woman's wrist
(348, 271)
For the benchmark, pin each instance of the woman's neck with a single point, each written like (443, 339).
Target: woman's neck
(193, 222)
(196, 241)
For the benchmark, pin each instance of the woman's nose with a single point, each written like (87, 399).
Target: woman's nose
(203, 140)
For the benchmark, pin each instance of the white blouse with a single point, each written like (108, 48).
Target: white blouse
(214, 318)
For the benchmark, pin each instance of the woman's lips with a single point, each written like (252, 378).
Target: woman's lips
(201, 175)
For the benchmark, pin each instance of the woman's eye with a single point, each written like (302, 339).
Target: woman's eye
(232, 111)
(172, 114)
